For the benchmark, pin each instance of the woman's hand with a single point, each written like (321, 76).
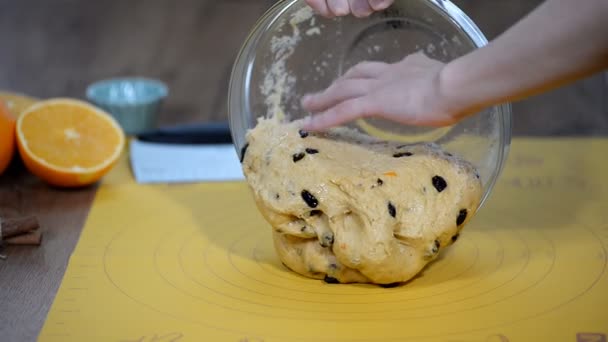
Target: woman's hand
(536, 55)
(358, 8)
(407, 92)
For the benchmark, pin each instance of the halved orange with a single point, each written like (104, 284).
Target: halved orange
(68, 142)
(7, 137)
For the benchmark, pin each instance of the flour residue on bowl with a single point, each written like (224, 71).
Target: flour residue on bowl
(278, 81)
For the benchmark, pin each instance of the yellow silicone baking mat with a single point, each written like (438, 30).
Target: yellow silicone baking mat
(196, 263)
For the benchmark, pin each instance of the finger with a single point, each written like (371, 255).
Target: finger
(417, 56)
(336, 93)
(379, 5)
(338, 7)
(344, 112)
(320, 6)
(360, 8)
(365, 70)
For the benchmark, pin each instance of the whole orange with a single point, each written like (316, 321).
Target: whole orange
(7, 137)
(16, 102)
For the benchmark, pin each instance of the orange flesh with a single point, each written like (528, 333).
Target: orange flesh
(80, 140)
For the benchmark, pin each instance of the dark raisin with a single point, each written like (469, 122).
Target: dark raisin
(379, 181)
(333, 266)
(449, 154)
(303, 229)
(303, 133)
(277, 196)
(455, 237)
(439, 183)
(310, 200)
(315, 212)
(391, 285)
(327, 239)
(243, 151)
(298, 156)
(462, 215)
(280, 231)
(312, 151)
(391, 209)
(331, 280)
(436, 246)
(403, 154)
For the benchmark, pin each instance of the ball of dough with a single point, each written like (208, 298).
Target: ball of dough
(350, 209)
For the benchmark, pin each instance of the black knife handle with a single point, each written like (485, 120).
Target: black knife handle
(192, 133)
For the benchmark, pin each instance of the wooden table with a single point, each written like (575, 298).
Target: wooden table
(30, 276)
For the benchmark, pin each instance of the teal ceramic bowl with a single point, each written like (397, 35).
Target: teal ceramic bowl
(134, 102)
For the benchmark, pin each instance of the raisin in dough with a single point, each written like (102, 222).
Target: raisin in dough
(346, 208)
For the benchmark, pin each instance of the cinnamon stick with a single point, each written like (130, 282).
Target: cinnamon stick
(31, 238)
(11, 227)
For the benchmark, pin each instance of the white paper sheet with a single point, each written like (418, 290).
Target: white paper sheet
(172, 163)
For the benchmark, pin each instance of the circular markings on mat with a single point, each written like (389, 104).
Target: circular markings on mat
(222, 272)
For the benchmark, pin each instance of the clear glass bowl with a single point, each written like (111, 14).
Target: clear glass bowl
(291, 52)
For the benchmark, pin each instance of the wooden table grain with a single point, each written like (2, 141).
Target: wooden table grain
(30, 276)
(56, 47)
